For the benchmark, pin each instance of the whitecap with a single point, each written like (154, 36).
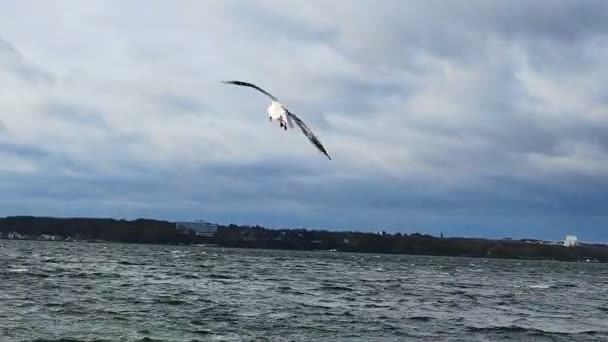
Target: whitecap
(18, 270)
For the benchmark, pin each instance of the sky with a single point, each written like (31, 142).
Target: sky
(477, 118)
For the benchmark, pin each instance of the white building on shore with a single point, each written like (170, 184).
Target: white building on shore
(571, 241)
(15, 236)
(198, 228)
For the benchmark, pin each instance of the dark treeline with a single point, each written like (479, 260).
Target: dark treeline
(164, 232)
(416, 244)
(137, 231)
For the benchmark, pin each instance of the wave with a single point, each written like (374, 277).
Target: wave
(335, 288)
(203, 332)
(461, 285)
(190, 276)
(290, 290)
(219, 276)
(20, 272)
(65, 340)
(533, 331)
(421, 318)
(170, 301)
(377, 306)
(129, 263)
(504, 329)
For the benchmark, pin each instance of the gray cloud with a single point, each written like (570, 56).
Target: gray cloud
(485, 118)
(77, 115)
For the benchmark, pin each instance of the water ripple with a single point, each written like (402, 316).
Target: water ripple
(53, 291)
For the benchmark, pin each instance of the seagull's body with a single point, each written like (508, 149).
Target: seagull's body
(278, 112)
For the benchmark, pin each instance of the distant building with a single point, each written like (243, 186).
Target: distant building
(248, 236)
(570, 241)
(280, 237)
(198, 228)
(49, 237)
(14, 236)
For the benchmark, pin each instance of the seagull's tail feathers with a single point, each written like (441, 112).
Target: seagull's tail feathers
(309, 134)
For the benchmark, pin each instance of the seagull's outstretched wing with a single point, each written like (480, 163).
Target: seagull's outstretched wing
(308, 133)
(246, 84)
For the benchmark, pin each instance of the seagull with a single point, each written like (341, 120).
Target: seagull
(277, 111)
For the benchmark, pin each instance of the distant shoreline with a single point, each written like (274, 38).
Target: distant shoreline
(309, 251)
(154, 232)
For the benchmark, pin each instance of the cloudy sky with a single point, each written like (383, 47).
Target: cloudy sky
(477, 118)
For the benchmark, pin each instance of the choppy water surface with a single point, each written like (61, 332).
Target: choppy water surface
(116, 292)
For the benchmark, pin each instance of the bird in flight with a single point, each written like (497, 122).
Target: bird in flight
(280, 113)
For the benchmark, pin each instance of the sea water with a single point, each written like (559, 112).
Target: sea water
(54, 291)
